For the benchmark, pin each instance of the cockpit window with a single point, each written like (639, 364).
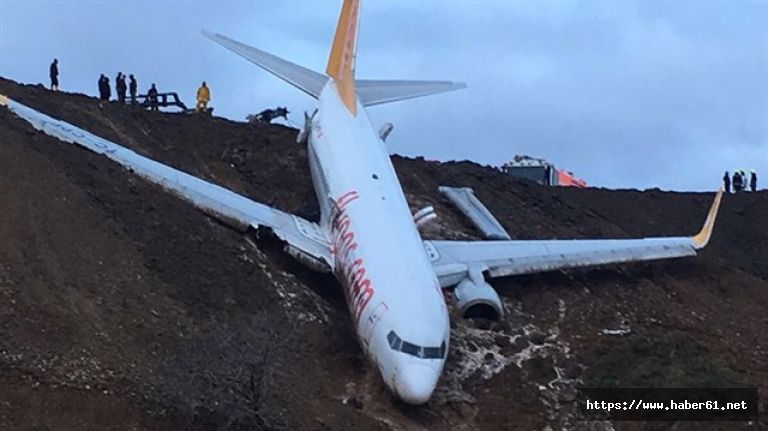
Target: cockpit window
(411, 349)
(396, 343)
(394, 340)
(433, 352)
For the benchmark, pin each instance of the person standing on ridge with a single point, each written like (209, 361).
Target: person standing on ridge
(120, 87)
(738, 183)
(744, 183)
(102, 91)
(133, 87)
(727, 182)
(152, 98)
(753, 180)
(203, 97)
(107, 89)
(54, 73)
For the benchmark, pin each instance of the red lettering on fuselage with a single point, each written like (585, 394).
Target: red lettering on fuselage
(349, 269)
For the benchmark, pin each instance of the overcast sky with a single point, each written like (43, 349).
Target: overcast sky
(625, 94)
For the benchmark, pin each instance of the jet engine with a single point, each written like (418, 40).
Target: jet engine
(476, 298)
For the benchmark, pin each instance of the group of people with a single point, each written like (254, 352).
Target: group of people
(121, 87)
(740, 181)
(105, 91)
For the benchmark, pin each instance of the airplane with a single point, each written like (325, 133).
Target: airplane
(366, 235)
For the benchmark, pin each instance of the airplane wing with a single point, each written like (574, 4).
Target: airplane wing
(303, 238)
(374, 92)
(452, 260)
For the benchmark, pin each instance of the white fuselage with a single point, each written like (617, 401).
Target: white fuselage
(393, 294)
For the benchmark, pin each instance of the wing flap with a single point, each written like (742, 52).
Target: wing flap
(464, 199)
(219, 202)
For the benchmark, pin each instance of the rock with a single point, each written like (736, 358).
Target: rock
(572, 371)
(502, 341)
(537, 337)
(520, 344)
(566, 394)
(481, 323)
(540, 370)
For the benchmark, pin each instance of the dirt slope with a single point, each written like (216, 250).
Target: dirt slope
(123, 308)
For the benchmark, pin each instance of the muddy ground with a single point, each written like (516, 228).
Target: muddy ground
(121, 307)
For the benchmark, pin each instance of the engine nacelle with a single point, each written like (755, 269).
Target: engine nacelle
(424, 216)
(478, 299)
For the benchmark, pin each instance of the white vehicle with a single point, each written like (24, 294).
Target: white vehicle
(393, 280)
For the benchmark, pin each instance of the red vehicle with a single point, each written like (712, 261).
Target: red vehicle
(567, 179)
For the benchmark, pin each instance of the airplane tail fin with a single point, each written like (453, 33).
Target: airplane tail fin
(300, 77)
(341, 62)
(341, 67)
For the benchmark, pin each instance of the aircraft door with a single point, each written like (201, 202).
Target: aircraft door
(372, 321)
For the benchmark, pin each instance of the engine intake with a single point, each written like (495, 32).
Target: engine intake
(476, 298)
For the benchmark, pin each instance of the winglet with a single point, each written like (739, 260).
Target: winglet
(3, 100)
(341, 63)
(701, 239)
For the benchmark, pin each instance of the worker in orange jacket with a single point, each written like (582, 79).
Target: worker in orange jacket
(203, 97)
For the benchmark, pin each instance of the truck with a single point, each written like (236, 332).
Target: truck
(541, 171)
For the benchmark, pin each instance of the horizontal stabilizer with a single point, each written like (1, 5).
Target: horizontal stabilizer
(300, 77)
(375, 92)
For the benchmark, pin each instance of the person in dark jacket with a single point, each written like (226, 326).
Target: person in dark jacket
(152, 98)
(120, 87)
(107, 89)
(102, 89)
(738, 182)
(133, 86)
(54, 73)
(727, 182)
(753, 180)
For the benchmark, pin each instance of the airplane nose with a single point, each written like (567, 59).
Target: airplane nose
(415, 383)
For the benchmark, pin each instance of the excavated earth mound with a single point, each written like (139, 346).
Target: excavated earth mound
(122, 307)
